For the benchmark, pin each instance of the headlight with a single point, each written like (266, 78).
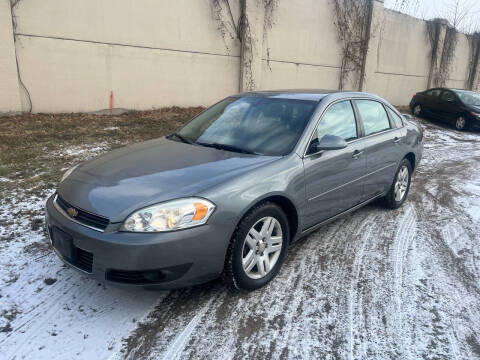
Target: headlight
(172, 215)
(68, 172)
(475, 114)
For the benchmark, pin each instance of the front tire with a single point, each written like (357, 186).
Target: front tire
(258, 247)
(401, 185)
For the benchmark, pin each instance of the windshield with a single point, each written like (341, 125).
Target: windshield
(469, 97)
(255, 125)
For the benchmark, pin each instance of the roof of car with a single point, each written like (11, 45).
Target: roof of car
(297, 94)
(445, 88)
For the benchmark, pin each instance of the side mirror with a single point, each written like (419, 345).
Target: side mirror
(328, 142)
(408, 117)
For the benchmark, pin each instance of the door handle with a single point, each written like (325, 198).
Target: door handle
(396, 140)
(356, 154)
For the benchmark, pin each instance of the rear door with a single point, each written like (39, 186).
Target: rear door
(334, 178)
(382, 143)
(432, 101)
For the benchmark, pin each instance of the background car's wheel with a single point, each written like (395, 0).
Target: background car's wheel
(417, 110)
(258, 247)
(401, 184)
(461, 123)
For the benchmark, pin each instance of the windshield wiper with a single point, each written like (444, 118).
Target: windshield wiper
(227, 147)
(181, 138)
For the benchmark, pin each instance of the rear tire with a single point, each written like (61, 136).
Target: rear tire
(417, 110)
(461, 123)
(258, 248)
(401, 185)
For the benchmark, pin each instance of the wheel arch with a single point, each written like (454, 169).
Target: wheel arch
(287, 206)
(411, 158)
(415, 103)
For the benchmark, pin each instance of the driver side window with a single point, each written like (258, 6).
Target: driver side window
(448, 96)
(339, 120)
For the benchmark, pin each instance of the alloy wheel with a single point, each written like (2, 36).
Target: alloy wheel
(401, 185)
(262, 247)
(460, 123)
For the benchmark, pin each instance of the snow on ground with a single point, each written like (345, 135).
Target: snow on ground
(82, 152)
(374, 285)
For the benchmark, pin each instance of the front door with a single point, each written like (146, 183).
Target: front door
(333, 179)
(448, 106)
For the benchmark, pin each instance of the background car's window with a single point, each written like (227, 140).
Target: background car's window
(339, 120)
(260, 125)
(373, 115)
(448, 96)
(397, 120)
(434, 92)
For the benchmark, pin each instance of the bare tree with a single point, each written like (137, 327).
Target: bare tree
(458, 13)
(462, 15)
(406, 5)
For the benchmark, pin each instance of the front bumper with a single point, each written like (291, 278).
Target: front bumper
(162, 260)
(475, 123)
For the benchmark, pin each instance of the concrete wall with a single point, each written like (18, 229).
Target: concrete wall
(302, 46)
(399, 54)
(72, 54)
(150, 54)
(459, 67)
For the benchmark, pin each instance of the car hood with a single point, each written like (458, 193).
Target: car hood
(124, 180)
(475, 108)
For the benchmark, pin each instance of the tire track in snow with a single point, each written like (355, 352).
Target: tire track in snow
(402, 242)
(54, 305)
(453, 342)
(403, 239)
(352, 293)
(178, 344)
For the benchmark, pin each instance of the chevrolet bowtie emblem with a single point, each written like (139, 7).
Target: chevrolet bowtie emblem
(72, 212)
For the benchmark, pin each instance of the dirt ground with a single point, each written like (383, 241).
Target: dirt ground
(377, 284)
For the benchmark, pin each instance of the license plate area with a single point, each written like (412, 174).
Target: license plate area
(63, 243)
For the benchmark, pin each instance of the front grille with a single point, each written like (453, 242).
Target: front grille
(83, 260)
(82, 216)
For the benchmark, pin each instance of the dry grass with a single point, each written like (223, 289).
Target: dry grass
(33, 147)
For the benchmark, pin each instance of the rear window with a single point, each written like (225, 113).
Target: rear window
(397, 120)
(373, 115)
(434, 92)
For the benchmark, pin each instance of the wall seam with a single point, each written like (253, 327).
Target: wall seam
(126, 45)
(301, 63)
(20, 81)
(400, 74)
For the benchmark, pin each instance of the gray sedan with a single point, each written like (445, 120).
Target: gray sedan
(228, 192)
